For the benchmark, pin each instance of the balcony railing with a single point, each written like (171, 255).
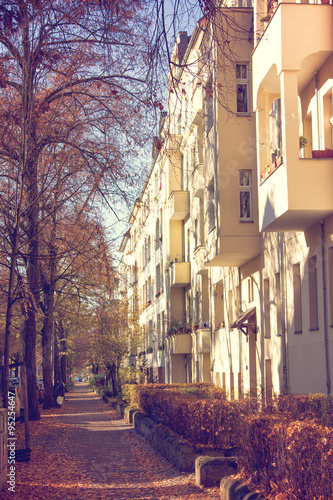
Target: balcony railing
(179, 205)
(180, 274)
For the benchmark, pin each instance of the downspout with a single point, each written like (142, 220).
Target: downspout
(283, 321)
(240, 334)
(327, 363)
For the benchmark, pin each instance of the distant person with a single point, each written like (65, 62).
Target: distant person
(59, 393)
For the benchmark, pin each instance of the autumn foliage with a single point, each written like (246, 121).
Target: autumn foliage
(285, 446)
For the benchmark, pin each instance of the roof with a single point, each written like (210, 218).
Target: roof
(245, 321)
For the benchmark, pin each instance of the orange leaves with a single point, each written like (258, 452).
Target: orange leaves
(289, 458)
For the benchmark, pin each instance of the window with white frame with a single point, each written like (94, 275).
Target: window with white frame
(209, 105)
(245, 195)
(242, 88)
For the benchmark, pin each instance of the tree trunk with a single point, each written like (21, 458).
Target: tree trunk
(62, 336)
(30, 359)
(47, 344)
(33, 283)
(116, 386)
(57, 374)
(29, 170)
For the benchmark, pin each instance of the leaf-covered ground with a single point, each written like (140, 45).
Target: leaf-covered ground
(85, 451)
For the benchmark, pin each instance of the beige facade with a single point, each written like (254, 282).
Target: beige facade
(231, 241)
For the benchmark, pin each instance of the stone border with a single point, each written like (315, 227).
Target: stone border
(231, 489)
(180, 453)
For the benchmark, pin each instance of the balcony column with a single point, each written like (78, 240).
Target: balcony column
(289, 112)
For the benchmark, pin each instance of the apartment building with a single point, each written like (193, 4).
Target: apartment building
(231, 241)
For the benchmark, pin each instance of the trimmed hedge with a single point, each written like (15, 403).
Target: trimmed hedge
(286, 446)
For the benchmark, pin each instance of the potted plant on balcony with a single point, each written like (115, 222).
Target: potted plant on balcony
(174, 326)
(302, 142)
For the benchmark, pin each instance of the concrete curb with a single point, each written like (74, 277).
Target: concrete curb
(231, 489)
(180, 453)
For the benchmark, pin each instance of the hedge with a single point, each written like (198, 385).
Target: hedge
(286, 445)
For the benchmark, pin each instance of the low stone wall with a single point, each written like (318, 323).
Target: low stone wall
(168, 444)
(184, 456)
(231, 489)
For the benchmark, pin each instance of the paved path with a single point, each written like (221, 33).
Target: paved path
(119, 464)
(96, 438)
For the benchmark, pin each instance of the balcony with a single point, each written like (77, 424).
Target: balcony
(296, 195)
(203, 340)
(200, 259)
(179, 205)
(198, 181)
(237, 244)
(180, 343)
(180, 274)
(173, 142)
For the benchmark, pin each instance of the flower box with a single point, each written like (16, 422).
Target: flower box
(322, 153)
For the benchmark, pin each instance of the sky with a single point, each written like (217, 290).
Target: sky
(180, 15)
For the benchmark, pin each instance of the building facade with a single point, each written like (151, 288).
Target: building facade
(230, 246)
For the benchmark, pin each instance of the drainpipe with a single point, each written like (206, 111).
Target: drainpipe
(239, 331)
(327, 363)
(283, 320)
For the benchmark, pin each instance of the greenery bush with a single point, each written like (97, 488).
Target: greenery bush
(285, 446)
(106, 391)
(97, 381)
(70, 385)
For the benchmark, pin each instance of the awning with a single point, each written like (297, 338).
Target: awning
(246, 322)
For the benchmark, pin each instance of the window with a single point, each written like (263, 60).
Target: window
(156, 183)
(195, 233)
(158, 328)
(250, 289)
(158, 279)
(242, 88)
(328, 118)
(330, 277)
(278, 304)
(268, 380)
(211, 208)
(313, 300)
(197, 307)
(144, 253)
(267, 310)
(275, 130)
(148, 249)
(158, 235)
(209, 105)
(230, 308)
(149, 290)
(245, 195)
(135, 272)
(297, 298)
(219, 305)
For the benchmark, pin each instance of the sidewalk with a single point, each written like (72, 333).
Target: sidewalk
(86, 451)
